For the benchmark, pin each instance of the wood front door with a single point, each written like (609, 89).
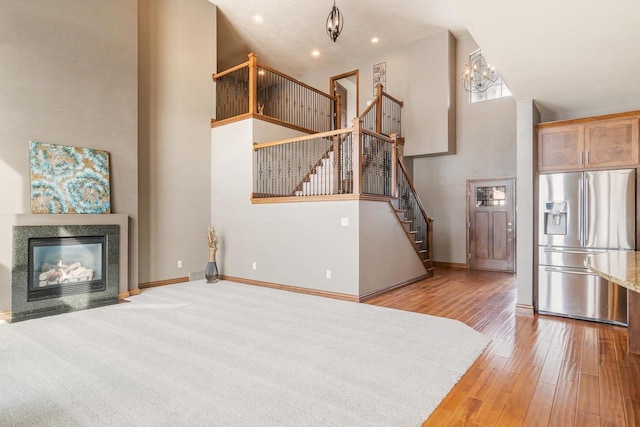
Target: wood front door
(491, 224)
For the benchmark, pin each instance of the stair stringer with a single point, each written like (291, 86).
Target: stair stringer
(423, 255)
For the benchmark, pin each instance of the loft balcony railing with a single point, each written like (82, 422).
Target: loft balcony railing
(252, 89)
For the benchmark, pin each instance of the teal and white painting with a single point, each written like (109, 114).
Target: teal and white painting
(69, 179)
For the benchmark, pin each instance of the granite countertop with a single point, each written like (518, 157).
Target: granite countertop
(621, 267)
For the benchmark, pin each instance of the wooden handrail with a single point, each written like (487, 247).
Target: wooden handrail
(413, 190)
(401, 103)
(377, 135)
(230, 70)
(370, 107)
(377, 102)
(257, 146)
(306, 86)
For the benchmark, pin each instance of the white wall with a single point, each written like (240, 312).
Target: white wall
(386, 255)
(528, 117)
(486, 148)
(176, 104)
(69, 76)
(293, 243)
(419, 74)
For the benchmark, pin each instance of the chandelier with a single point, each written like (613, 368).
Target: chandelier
(334, 23)
(478, 74)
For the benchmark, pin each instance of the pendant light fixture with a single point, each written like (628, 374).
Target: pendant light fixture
(334, 23)
(478, 74)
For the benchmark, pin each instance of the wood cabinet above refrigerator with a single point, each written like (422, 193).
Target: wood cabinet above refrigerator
(591, 143)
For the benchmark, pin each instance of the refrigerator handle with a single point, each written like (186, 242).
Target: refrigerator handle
(587, 208)
(580, 207)
(562, 270)
(572, 251)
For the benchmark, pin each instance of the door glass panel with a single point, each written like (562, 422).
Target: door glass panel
(491, 196)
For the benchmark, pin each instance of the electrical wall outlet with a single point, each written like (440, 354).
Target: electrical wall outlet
(254, 265)
(179, 263)
(328, 274)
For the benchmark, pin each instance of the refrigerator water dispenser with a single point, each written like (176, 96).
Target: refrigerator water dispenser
(555, 217)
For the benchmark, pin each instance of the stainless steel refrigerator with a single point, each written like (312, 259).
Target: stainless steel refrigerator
(583, 213)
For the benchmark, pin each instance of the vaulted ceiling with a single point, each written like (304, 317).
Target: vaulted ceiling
(567, 55)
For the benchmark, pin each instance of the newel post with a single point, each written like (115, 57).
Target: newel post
(253, 83)
(394, 165)
(379, 108)
(356, 143)
(337, 165)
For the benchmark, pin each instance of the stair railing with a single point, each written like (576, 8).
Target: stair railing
(351, 161)
(384, 114)
(409, 202)
(252, 89)
(282, 168)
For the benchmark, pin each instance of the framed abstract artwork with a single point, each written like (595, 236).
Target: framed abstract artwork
(68, 179)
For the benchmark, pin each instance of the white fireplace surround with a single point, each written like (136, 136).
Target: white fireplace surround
(6, 249)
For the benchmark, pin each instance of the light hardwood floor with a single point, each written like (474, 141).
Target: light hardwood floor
(537, 370)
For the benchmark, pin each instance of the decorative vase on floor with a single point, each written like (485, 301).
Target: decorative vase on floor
(211, 270)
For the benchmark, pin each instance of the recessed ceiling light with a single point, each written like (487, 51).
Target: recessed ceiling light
(315, 53)
(375, 40)
(257, 19)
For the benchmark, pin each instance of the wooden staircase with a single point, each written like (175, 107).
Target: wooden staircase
(319, 181)
(423, 254)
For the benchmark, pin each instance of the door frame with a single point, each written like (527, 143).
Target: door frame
(468, 217)
(337, 77)
(343, 105)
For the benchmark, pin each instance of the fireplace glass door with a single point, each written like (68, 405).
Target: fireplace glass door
(66, 265)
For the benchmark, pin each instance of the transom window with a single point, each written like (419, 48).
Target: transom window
(498, 90)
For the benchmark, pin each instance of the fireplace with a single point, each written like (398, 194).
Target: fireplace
(66, 266)
(63, 268)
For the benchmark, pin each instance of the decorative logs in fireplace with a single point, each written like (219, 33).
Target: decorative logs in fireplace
(64, 273)
(81, 272)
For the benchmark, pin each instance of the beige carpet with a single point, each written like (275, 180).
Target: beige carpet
(227, 354)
